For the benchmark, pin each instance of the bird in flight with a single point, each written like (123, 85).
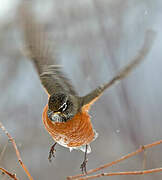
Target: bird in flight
(66, 115)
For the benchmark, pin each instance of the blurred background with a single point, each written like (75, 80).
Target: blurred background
(93, 39)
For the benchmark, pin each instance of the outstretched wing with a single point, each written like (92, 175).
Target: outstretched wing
(38, 48)
(90, 98)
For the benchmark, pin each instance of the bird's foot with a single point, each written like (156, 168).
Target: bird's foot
(83, 166)
(52, 152)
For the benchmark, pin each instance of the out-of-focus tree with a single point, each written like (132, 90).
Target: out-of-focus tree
(94, 39)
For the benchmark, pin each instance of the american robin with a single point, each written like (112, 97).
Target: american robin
(66, 116)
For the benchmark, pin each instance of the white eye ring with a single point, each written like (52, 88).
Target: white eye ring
(63, 107)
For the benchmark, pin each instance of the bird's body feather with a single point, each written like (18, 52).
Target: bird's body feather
(74, 134)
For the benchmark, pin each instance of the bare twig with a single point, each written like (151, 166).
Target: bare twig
(17, 151)
(122, 173)
(141, 149)
(13, 176)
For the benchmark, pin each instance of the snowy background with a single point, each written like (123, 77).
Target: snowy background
(94, 39)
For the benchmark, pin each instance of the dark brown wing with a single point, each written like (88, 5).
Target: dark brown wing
(90, 98)
(38, 48)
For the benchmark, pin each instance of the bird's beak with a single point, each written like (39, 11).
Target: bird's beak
(57, 113)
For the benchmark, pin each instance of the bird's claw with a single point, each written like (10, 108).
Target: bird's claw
(52, 153)
(83, 166)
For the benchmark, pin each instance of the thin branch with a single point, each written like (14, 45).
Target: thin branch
(17, 151)
(141, 149)
(149, 171)
(13, 176)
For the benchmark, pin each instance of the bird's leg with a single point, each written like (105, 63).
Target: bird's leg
(52, 152)
(83, 165)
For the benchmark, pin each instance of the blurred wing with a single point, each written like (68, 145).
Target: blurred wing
(90, 98)
(38, 48)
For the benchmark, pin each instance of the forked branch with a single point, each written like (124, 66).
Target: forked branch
(17, 152)
(141, 149)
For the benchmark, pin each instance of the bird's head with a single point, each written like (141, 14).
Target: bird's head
(62, 107)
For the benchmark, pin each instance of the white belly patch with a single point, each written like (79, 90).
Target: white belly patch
(63, 142)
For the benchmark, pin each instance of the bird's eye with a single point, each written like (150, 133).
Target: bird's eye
(63, 107)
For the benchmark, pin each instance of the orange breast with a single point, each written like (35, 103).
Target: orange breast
(75, 132)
